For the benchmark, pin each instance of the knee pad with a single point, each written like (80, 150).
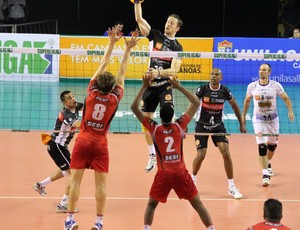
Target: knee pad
(262, 149)
(272, 147)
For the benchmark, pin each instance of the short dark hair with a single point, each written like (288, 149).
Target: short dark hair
(63, 94)
(106, 82)
(119, 22)
(166, 113)
(180, 22)
(273, 210)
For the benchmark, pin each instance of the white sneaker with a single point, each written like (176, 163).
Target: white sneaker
(151, 163)
(235, 193)
(270, 172)
(39, 188)
(266, 180)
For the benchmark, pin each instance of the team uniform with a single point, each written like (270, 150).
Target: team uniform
(57, 147)
(266, 225)
(209, 116)
(265, 115)
(172, 172)
(91, 148)
(157, 92)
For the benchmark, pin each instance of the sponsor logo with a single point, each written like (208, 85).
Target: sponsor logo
(225, 47)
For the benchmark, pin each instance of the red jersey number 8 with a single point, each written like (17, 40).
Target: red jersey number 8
(98, 113)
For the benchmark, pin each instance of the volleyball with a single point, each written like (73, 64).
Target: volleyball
(136, 1)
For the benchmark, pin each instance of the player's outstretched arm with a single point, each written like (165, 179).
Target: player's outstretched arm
(195, 103)
(130, 43)
(113, 38)
(136, 102)
(143, 24)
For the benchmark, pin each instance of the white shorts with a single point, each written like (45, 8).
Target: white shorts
(266, 127)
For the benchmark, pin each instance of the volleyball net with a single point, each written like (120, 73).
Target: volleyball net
(32, 78)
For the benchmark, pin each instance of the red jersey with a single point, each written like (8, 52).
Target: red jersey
(266, 225)
(168, 141)
(99, 110)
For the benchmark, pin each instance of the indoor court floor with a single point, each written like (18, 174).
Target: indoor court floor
(24, 161)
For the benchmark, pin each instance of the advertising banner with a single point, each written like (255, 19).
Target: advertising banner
(84, 66)
(245, 70)
(39, 66)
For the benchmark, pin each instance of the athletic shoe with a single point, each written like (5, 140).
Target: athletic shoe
(71, 225)
(39, 188)
(266, 180)
(97, 226)
(151, 163)
(270, 171)
(234, 192)
(64, 209)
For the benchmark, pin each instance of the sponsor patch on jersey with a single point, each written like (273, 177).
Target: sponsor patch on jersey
(158, 45)
(206, 99)
(257, 97)
(168, 97)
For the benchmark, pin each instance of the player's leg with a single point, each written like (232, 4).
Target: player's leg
(151, 149)
(149, 213)
(261, 128)
(223, 146)
(201, 146)
(76, 178)
(272, 143)
(100, 195)
(202, 212)
(61, 156)
(149, 104)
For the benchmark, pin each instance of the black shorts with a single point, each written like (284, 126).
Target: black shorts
(154, 95)
(60, 155)
(201, 141)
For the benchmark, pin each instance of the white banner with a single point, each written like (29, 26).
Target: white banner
(17, 66)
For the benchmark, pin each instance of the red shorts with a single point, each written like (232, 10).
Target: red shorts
(90, 154)
(182, 184)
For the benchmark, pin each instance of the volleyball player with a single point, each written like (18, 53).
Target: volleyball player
(265, 118)
(160, 68)
(104, 94)
(57, 147)
(272, 217)
(209, 120)
(168, 138)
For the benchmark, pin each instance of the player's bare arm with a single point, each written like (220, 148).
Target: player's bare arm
(246, 107)
(130, 43)
(135, 104)
(195, 103)
(289, 105)
(143, 24)
(113, 38)
(237, 112)
(172, 71)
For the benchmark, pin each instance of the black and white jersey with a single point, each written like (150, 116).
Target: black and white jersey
(161, 42)
(211, 104)
(64, 122)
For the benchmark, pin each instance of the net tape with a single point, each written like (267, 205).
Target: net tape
(168, 54)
